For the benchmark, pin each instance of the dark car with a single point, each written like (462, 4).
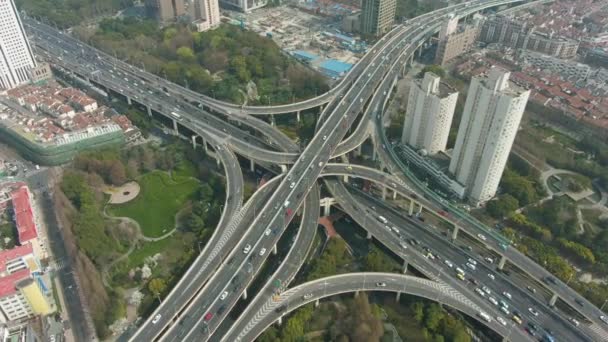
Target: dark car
(280, 308)
(221, 309)
(579, 302)
(551, 280)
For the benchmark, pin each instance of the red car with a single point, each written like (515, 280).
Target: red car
(289, 212)
(208, 317)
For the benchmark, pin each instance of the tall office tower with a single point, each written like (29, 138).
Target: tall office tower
(430, 109)
(486, 133)
(205, 13)
(164, 10)
(16, 57)
(377, 16)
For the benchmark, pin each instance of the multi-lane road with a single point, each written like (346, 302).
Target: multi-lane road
(247, 234)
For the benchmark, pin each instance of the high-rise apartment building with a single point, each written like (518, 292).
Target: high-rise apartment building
(455, 40)
(490, 120)
(16, 57)
(164, 10)
(204, 13)
(430, 109)
(377, 16)
(244, 5)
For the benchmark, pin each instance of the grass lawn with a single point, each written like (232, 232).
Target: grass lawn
(171, 248)
(158, 202)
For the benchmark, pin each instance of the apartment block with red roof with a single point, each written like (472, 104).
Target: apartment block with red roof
(25, 220)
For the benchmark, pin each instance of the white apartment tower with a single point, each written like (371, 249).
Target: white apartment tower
(490, 120)
(430, 109)
(16, 57)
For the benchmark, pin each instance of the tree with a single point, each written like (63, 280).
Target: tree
(435, 69)
(185, 54)
(117, 175)
(375, 261)
(418, 309)
(157, 286)
(503, 206)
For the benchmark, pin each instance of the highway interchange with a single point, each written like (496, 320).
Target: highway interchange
(221, 274)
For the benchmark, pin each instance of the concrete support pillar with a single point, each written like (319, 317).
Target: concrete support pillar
(420, 208)
(321, 108)
(394, 194)
(283, 168)
(356, 294)
(326, 209)
(205, 145)
(553, 300)
(149, 111)
(501, 263)
(129, 101)
(274, 249)
(455, 233)
(217, 160)
(369, 235)
(405, 264)
(175, 130)
(298, 116)
(374, 154)
(358, 151)
(194, 142)
(398, 297)
(410, 210)
(345, 179)
(251, 165)
(383, 192)
(272, 121)
(280, 320)
(245, 294)
(316, 303)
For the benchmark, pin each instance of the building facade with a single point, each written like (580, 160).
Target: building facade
(205, 14)
(455, 40)
(567, 69)
(164, 10)
(16, 57)
(490, 120)
(244, 5)
(429, 114)
(520, 35)
(377, 16)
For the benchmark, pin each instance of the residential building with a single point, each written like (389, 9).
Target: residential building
(22, 296)
(205, 14)
(245, 6)
(350, 23)
(455, 40)
(16, 57)
(521, 35)
(491, 117)
(430, 109)
(25, 220)
(567, 69)
(164, 10)
(377, 16)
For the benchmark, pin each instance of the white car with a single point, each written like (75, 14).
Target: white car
(471, 266)
(480, 292)
(534, 312)
(307, 296)
(324, 137)
(472, 261)
(604, 319)
(493, 301)
(574, 321)
(501, 320)
(292, 185)
(156, 319)
(224, 295)
(491, 276)
(507, 294)
(482, 237)
(505, 310)
(262, 251)
(267, 232)
(247, 249)
(486, 289)
(403, 245)
(448, 263)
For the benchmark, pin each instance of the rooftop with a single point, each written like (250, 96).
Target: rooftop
(8, 284)
(24, 217)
